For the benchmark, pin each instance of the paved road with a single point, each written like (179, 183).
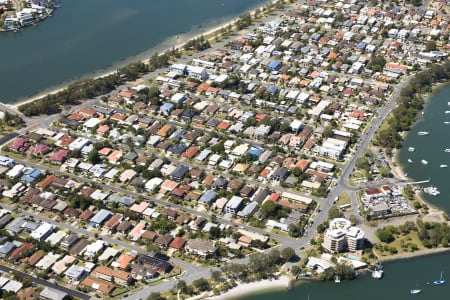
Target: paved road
(43, 282)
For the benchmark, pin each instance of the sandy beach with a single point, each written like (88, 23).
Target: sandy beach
(253, 287)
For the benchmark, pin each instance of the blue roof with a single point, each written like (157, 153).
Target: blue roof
(274, 65)
(272, 89)
(255, 151)
(208, 196)
(31, 175)
(248, 209)
(167, 106)
(361, 45)
(101, 216)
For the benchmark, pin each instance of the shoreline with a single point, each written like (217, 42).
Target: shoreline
(412, 255)
(243, 289)
(213, 30)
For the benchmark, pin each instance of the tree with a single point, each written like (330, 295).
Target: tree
(385, 235)
(182, 286)
(288, 253)
(93, 157)
(334, 212)
(268, 209)
(201, 284)
(430, 46)
(294, 230)
(155, 296)
(214, 232)
(216, 275)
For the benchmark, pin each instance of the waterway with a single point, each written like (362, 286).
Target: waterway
(86, 38)
(400, 277)
(431, 148)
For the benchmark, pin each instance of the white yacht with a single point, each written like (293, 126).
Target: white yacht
(410, 160)
(423, 133)
(447, 111)
(424, 162)
(431, 190)
(443, 166)
(411, 149)
(446, 122)
(447, 150)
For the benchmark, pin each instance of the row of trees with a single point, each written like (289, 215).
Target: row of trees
(409, 103)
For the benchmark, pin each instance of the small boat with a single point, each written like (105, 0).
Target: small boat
(448, 103)
(443, 166)
(447, 111)
(424, 162)
(446, 122)
(410, 161)
(411, 149)
(406, 174)
(440, 280)
(423, 113)
(415, 291)
(431, 190)
(423, 133)
(447, 150)
(377, 274)
(337, 280)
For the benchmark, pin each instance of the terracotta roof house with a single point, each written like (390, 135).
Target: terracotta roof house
(177, 243)
(98, 285)
(149, 235)
(170, 213)
(86, 214)
(33, 259)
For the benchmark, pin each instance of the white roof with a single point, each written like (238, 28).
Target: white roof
(296, 197)
(91, 123)
(56, 237)
(108, 253)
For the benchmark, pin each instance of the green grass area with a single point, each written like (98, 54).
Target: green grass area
(343, 199)
(403, 244)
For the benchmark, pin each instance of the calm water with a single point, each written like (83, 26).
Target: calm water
(431, 148)
(85, 37)
(400, 277)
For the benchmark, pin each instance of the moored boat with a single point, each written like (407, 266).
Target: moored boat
(443, 166)
(431, 190)
(409, 160)
(423, 133)
(424, 162)
(415, 291)
(411, 149)
(440, 280)
(447, 150)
